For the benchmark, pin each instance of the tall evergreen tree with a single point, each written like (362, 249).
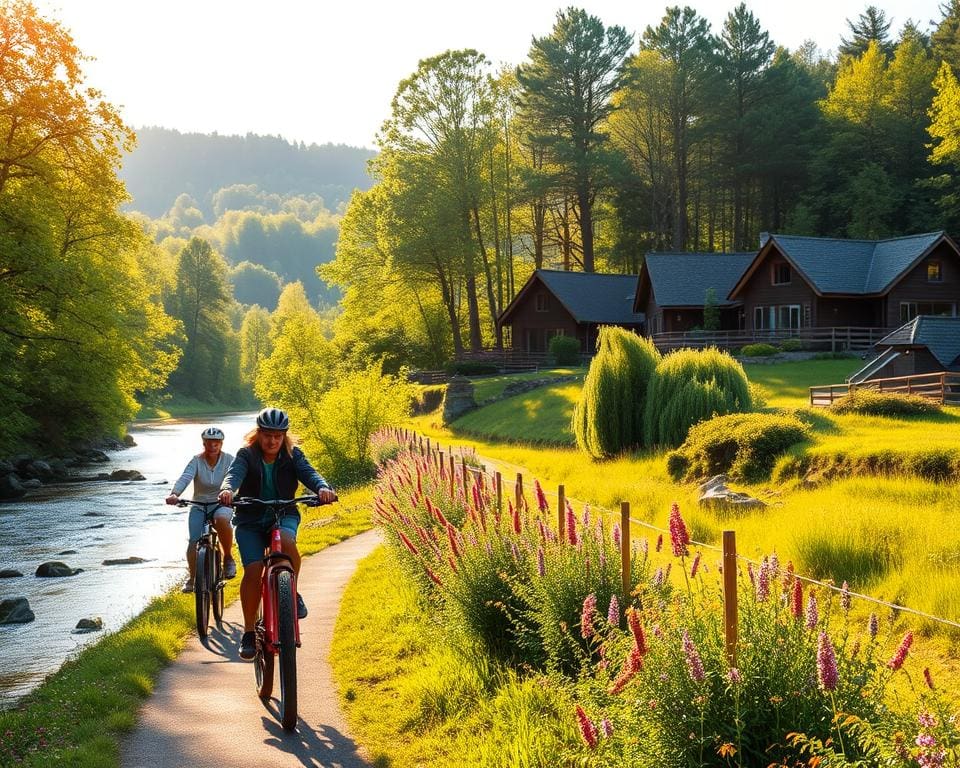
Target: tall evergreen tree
(567, 86)
(945, 40)
(870, 26)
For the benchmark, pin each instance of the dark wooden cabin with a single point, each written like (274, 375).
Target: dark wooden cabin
(924, 345)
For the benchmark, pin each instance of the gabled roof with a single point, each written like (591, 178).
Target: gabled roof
(940, 335)
(590, 297)
(682, 279)
(848, 267)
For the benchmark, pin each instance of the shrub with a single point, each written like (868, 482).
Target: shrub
(792, 345)
(608, 417)
(428, 399)
(867, 402)
(689, 386)
(758, 350)
(471, 368)
(565, 350)
(743, 445)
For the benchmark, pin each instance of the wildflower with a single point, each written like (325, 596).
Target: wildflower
(586, 615)
(774, 565)
(515, 517)
(613, 611)
(679, 538)
(928, 678)
(666, 573)
(452, 563)
(826, 664)
(602, 559)
(753, 578)
(644, 547)
(607, 727)
(541, 562)
(571, 526)
(433, 577)
(873, 625)
(734, 676)
(586, 515)
(631, 665)
(694, 663)
(796, 600)
(636, 629)
(617, 539)
(845, 596)
(813, 612)
(542, 504)
(542, 529)
(514, 551)
(788, 580)
(695, 566)
(901, 655)
(926, 720)
(407, 543)
(763, 582)
(588, 731)
(452, 538)
(658, 578)
(659, 542)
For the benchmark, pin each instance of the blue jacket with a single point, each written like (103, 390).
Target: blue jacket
(289, 470)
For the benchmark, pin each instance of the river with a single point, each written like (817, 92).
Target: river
(100, 520)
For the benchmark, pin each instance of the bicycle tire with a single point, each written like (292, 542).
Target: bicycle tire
(217, 597)
(201, 591)
(286, 618)
(263, 664)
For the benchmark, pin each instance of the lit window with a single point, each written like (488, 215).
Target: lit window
(934, 272)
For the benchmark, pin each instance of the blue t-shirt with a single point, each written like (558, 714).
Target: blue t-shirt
(269, 490)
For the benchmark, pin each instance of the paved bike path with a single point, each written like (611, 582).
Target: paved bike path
(205, 711)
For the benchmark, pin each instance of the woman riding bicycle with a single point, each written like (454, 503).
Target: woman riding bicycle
(207, 470)
(268, 467)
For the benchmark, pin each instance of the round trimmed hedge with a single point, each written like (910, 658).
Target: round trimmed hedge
(868, 402)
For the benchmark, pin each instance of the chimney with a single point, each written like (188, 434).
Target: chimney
(764, 236)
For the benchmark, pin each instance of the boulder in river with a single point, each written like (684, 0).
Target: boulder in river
(15, 611)
(125, 561)
(67, 552)
(55, 568)
(9, 573)
(32, 484)
(88, 625)
(93, 527)
(11, 487)
(126, 474)
(128, 441)
(38, 469)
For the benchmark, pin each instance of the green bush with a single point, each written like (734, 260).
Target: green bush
(428, 399)
(688, 387)
(792, 345)
(608, 417)
(867, 402)
(565, 350)
(743, 445)
(471, 368)
(936, 464)
(758, 350)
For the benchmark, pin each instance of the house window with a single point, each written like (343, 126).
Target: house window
(910, 309)
(777, 316)
(781, 273)
(542, 302)
(934, 272)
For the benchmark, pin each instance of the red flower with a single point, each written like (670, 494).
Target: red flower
(679, 538)
(796, 600)
(636, 629)
(588, 731)
(901, 655)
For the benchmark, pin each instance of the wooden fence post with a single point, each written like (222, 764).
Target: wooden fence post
(453, 475)
(625, 549)
(442, 459)
(730, 595)
(498, 482)
(518, 491)
(561, 511)
(466, 483)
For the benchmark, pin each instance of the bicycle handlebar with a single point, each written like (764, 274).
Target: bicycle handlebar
(205, 504)
(248, 501)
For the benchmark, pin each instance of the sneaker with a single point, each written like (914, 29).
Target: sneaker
(248, 645)
(187, 585)
(301, 607)
(229, 568)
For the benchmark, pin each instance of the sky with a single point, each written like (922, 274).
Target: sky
(318, 71)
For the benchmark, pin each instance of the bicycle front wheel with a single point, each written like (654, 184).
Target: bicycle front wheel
(217, 594)
(201, 590)
(286, 615)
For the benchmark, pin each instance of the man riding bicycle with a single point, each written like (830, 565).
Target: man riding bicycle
(207, 470)
(268, 467)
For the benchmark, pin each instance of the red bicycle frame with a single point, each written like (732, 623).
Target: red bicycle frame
(276, 561)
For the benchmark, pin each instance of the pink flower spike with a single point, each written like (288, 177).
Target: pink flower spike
(571, 526)
(636, 629)
(679, 538)
(659, 543)
(617, 540)
(541, 562)
(901, 655)
(763, 582)
(613, 612)
(826, 664)
(845, 597)
(796, 600)
(928, 678)
(695, 566)
(588, 731)
(873, 626)
(586, 515)
(586, 616)
(813, 612)
(694, 663)
(541, 496)
(607, 727)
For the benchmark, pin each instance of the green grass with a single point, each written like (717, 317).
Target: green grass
(182, 407)
(80, 714)
(541, 416)
(413, 698)
(487, 387)
(787, 385)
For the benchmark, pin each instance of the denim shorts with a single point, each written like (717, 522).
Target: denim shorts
(254, 537)
(195, 520)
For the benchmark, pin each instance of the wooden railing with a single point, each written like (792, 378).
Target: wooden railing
(834, 339)
(943, 388)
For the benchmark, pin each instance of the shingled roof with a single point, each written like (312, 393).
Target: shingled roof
(940, 335)
(590, 297)
(682, 279)
(849, 267)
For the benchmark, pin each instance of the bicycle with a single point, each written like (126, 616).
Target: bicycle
(208, 572)
(278, 627)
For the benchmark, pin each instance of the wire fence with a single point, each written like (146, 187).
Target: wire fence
(490, 467)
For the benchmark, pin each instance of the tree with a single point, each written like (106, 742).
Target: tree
(254, 342)
(711, 311)
(255, 284)
(567, 86)
(945, 40)
(870, 26)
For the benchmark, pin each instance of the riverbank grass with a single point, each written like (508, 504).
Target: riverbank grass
(80, 714)
(183, 407)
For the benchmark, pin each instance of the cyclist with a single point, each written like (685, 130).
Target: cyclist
(207, 470)
(268, 467)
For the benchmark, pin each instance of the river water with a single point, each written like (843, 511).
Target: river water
(100, 520)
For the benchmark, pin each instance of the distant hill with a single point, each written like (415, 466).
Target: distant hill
(167, 163)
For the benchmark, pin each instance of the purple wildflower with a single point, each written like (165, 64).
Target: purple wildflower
(826, 664)
(617, 540)
(659, 542)
(694, 663)
(587, 614)
(571, 526)
(607, 727)
(658, 578)
(695, 566)
(763, 582)
(845, 596)
(813, 612)
(586, 515)
(796, 600)
(734, 676)
(613, 612)
(541, 562)
(873, 626)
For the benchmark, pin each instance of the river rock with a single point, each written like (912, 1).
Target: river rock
(94, 527)
(21, 461)
(15, 611)
(32, 484)
(458, 399)
(125, 561)
(93, 455)
(128, 441)
(11, 487)
(715, 492)
(6, 467)
(56, 569)
(67, 552)
(9, 573)
(126, 474)
(38, 469)
(88, 625)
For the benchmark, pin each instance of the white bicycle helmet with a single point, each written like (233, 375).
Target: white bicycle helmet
(212, 433)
